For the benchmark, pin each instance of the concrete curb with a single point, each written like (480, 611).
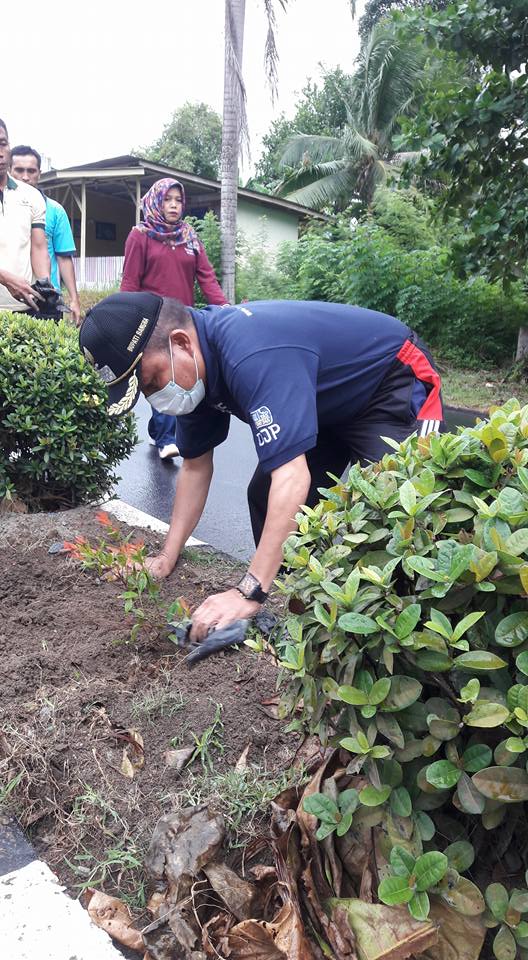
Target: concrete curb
(138, 518)
(37, 917)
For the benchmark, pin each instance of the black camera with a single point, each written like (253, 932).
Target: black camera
(52, 305)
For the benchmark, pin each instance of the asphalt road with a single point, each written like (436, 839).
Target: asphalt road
(148, 483)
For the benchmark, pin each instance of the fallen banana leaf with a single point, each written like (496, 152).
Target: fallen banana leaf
(384, 933)
(113, 915)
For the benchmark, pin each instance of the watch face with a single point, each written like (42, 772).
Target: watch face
(248, 585)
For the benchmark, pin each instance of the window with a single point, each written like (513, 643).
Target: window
(105, 231)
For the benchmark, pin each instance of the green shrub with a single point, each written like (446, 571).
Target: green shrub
(257, 275)
(58, 446)
(411, 654)
(469, 320)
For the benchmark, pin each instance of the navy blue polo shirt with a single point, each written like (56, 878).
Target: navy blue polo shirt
(287, 368)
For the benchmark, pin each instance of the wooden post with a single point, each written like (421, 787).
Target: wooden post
(138, 200)
(83, 234)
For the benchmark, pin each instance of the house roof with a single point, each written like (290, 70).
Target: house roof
(109, 176)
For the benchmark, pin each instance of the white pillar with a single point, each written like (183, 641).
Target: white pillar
(138, 200)
(83, 234)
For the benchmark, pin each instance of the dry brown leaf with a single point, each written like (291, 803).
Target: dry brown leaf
(282, 939)
(156, 900)
(241, 763)
(459, 937)
(138, 760)
(310, 754)
(176, 759)
(113, 915)
(126, 767)
(238, 895)
(384, 933)
(12, 505)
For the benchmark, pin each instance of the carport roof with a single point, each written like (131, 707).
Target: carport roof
(110, 176)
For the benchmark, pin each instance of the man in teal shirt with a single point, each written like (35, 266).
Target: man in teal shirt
(25, 165)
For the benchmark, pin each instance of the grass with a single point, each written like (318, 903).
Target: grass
(479, 389)
(159, 700)
(241, 796)
(209, 742)
(121, 863)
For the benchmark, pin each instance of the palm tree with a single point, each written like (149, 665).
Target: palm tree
(235, 129)
(333, 170)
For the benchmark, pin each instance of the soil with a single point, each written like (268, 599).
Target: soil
(75, 690)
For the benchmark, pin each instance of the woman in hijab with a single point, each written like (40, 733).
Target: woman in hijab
(164, 255)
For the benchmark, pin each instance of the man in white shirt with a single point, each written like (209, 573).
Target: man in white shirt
(23, 246)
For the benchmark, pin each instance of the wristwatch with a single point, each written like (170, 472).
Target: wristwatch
(251, 589)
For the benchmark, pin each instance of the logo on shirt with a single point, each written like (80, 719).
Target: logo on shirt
(262, 417)
(267, 430)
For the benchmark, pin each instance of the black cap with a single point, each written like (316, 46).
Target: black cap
(113, 337)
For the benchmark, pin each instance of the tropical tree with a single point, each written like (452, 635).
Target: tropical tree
(320, 109)
(190, 141)
(235, 128)
(476, 133)
(376, 10)
(333, 170)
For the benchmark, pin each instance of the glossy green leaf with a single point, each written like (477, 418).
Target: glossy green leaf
(425, 825)
(395, 890)
(357, 623)
(400, 802)
(373, 797)
(429, 869)
(479, 660)
(476, 757)
(322, 807)
(419, 906)
(352, 695)
(402, 862)
(469, 621)
(404, 691)
(485, 714)
(408, 497)
(443, 774)
(460, 855)
(348, 801)
(512, 630)
(521, 662)
(407, 620)
(380, 690)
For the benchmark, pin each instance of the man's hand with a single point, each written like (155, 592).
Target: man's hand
(20, 289)
(220, 610)
(75, 308)
(159, 567)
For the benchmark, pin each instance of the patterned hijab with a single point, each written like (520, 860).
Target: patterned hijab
(154, 223)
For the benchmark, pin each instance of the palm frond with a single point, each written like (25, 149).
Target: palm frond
(310, 149)
(295, 179)
(339, 185)
(271, 54)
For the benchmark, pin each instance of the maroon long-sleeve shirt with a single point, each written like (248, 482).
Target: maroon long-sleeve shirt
(168, 271)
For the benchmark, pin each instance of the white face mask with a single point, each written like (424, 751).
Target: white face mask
(175, 400)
